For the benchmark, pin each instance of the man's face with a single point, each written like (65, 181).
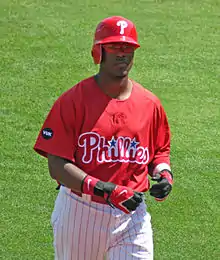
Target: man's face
(117, 58)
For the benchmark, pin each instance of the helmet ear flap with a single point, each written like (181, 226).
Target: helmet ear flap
(97, 53)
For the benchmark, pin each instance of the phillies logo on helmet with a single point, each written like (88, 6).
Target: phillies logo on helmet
(120, 149)
(123, 25)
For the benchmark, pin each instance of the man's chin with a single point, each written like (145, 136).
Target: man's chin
(122, 73)
(121, 76)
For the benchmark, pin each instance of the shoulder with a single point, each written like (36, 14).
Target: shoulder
(80, 87)
(145, 94)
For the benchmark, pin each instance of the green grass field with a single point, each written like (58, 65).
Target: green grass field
(45, 49)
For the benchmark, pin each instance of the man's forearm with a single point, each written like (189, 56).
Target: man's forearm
(65, 172)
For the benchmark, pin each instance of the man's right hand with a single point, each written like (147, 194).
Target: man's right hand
(122, 197)
(117, 196)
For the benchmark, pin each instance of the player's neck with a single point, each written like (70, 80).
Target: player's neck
(119, 88)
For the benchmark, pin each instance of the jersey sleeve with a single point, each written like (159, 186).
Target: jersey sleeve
(161, 158)
(58, 133)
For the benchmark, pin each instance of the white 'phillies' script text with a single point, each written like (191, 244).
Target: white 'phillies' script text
(120, 149)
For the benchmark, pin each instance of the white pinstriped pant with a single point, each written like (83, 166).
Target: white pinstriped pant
(86, 230)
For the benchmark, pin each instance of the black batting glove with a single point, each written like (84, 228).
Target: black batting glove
(164, 185)
(118, 196)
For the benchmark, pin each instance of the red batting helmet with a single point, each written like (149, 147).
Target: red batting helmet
(110, 30)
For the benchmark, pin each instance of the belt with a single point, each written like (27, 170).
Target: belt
(94, 198)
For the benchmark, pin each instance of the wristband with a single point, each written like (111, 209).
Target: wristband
(88, 185)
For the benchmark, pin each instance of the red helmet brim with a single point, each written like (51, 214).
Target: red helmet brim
(113, 39)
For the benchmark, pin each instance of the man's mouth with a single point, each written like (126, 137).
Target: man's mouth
(120, 60)
(121, 63)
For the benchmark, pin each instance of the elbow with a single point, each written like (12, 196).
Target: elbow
(53, 166)
(53, 174)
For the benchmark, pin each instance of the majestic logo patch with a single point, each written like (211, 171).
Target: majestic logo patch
(121, 149)
(47, 133)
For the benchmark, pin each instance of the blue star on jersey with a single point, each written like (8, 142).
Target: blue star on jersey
(112, 143)
(134, 143)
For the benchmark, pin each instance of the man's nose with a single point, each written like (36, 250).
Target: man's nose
(120, 53)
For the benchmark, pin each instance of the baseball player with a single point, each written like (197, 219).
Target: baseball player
(102, 138)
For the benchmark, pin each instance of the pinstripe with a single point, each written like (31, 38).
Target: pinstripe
(66, 228)
(104, 244)
(92, 235)
(136, 224)
(99, 248)
(63, 227)
(60, 245)
(134, 221)
(143, 235)
(73, 205)
(68, 234)
(133, 224)
(79, 231)
(57, 239)
(73, 231)
(86, 241)
(83, 231)
(120, 253)
(116, 239)
(126, 246)
(113, 238)
(108, 237)
(131, 243)
(55, 224)
(59, 227)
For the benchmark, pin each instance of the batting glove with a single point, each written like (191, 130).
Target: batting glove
(164, 186)
(121, 197)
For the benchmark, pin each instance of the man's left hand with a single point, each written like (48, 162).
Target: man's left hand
(164, 185)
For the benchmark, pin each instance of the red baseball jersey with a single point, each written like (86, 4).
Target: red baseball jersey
(120, 141)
